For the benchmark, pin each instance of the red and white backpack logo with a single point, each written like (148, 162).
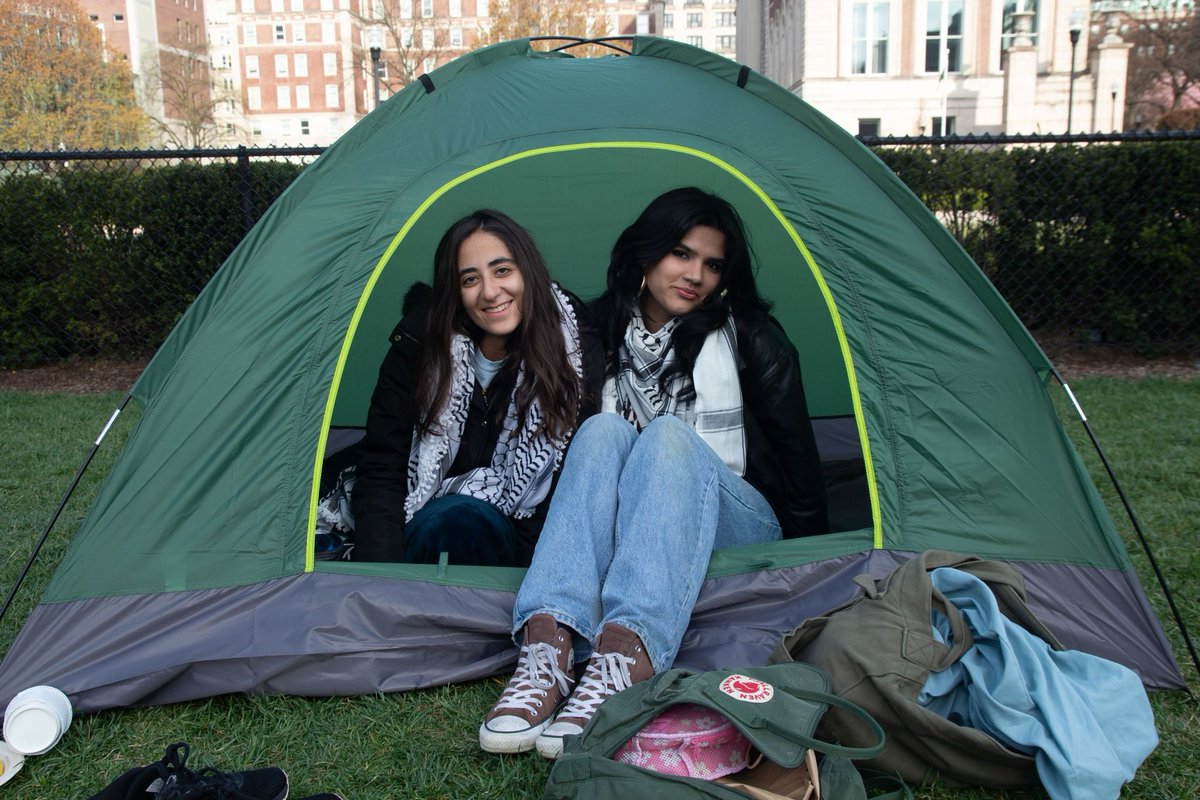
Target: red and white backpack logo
(746, 689)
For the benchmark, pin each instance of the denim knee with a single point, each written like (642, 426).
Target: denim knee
(668, 439)
(605, 430)
(469, 530)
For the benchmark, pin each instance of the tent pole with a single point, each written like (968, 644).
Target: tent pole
(1112, 476)
(62, 504)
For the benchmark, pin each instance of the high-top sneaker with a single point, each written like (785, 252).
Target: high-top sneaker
(536, 691)
(618, 662)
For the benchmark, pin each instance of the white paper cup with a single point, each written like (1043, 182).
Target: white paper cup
(36, 719)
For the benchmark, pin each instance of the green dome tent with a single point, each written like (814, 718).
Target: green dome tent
(194, 574)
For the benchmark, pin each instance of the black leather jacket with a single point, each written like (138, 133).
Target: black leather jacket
(381, 485)
(782, 461)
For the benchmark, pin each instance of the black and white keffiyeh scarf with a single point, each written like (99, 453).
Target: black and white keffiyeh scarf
(716, 410)
(525, 460)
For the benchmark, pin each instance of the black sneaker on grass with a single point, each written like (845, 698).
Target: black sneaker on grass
(170, 779)
(269, 783)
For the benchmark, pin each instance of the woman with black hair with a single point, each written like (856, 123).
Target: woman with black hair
(706, 444)
(488, 375)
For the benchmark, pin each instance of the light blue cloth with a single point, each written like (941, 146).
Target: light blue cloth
(1086, 720)
(631, 528)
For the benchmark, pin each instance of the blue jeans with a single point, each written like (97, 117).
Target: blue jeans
(630, 530)
(469, 530)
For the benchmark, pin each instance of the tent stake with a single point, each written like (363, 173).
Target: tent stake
(1112, 476)
(61, 505)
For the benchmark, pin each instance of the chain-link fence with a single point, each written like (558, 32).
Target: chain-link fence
(1093, 240)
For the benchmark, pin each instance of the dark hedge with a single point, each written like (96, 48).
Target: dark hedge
(1098, 241)
(99, 260)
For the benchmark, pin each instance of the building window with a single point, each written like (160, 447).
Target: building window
(456, 8)
(297, 31)
(1008, 25)
(297, 5)
(247, 6)
(406, 37)
(301, 60)
(328, 32)
(329, 63)
(280, 36)
(304, 129)
(937, 127)
(868, 127)
(426, 8)
(285, 127)
(281, 65)
(283, 97)
(943, 36)
(726, 43)
(427, 39)
(668, 20)
(301, 97)
(726, 19)
(643, 24)
(118, 17)
(695, 19)
(250, 33)
(869, 37)
(696, 41)
(276, 6)
(456, 39)
(253, 97)
(377, 10)
(327, 5)
(251, 66)
(331, 95)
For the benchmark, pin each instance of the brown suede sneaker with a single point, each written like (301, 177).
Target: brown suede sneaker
(619, 661)
(541, 684)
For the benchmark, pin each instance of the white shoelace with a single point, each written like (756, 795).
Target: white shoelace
(607, 674)
(537, 671)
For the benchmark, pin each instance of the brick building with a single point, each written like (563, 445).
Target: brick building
(164, 43)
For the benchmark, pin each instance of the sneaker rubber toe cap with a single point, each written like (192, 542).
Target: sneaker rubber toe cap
(508, 734)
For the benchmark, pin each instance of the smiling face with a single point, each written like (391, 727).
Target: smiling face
(491, 288)
(684, 277)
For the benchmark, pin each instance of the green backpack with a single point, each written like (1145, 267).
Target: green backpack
(779, 722)
(880, 650)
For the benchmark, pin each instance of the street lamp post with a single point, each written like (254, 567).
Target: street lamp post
(1075, 27)
(375, 47)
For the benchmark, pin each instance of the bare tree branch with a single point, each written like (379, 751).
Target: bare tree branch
(181, 81)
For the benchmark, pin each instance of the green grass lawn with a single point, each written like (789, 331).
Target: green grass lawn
(423, 744)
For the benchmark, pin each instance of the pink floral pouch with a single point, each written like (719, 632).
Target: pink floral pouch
(688, 740)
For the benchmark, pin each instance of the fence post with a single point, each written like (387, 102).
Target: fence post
(244, 189)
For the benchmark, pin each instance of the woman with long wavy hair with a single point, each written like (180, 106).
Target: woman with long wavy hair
(489, 373)
(704, 443)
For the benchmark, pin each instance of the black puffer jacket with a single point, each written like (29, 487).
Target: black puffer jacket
(782, 461)
(382, 472)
